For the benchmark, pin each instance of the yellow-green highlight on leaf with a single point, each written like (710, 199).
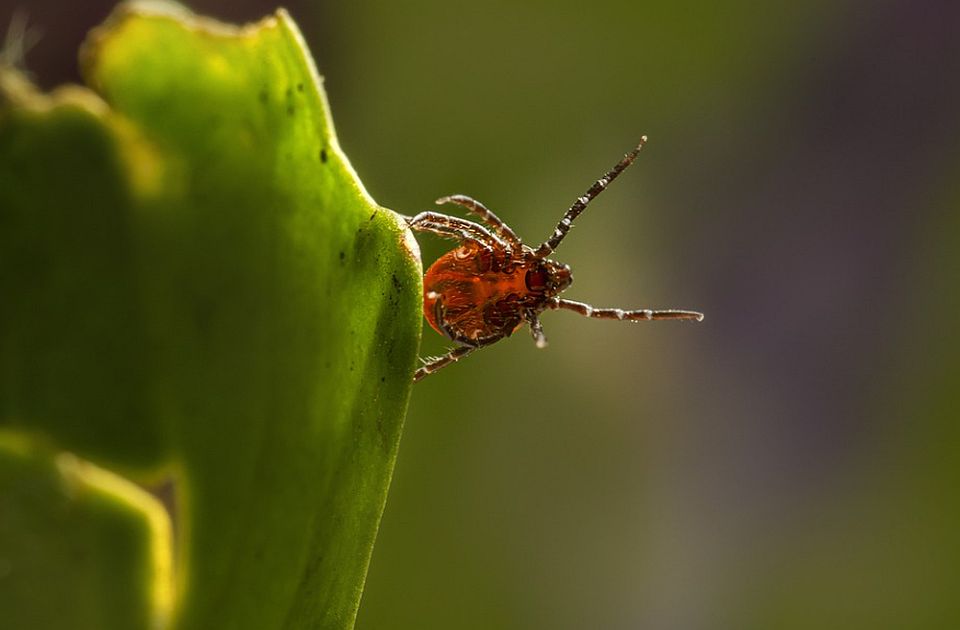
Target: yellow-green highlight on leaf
(201, 290)
(55, 506)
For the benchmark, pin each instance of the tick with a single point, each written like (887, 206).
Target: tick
(492, 283)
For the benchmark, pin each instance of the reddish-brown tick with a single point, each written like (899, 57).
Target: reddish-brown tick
(492, 284)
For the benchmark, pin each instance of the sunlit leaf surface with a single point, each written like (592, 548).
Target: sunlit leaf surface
(199, 295)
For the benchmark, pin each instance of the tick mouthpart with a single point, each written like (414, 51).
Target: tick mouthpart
(560, 276)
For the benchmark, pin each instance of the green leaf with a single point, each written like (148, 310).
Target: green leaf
(78, 544)
(198, 290)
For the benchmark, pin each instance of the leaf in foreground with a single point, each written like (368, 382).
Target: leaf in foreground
(198, 294)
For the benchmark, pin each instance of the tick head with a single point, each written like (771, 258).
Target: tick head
(549, 277)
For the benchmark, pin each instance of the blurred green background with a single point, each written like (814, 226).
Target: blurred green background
(793, 461)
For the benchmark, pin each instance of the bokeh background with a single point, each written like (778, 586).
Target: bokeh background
(791, 462)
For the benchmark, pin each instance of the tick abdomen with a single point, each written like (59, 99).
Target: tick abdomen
(474, 296)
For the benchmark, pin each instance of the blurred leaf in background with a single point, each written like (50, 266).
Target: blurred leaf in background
(78, 544)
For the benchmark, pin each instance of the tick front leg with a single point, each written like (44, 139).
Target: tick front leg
(455, 228)
(432, 365)
(616, 313)
(581, 203)
(487, 216)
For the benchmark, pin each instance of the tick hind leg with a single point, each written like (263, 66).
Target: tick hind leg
(456, 228)
(486, 215)
(433, 364)
(619, 314)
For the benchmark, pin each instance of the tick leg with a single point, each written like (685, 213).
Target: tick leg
(536, 329)
(615, 313)
(578, 206)
(441, 317)
(432, 365)
(486, 215)
(456, 228)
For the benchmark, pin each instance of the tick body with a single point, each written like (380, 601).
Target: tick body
(492, 283)
(477, 296)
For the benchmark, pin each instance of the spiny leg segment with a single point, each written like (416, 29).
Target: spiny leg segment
(432, 365)
(486, 215)
(616, 313)
(581, 203)
(455, 228)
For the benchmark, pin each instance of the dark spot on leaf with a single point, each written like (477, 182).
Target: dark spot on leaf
(264, 97)
(290, 110)
(342, 256)
(380, 431)
(383, 378)
(373, 215)
(396, 282)
(299, 87)
(323, 155)
(312, 567)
